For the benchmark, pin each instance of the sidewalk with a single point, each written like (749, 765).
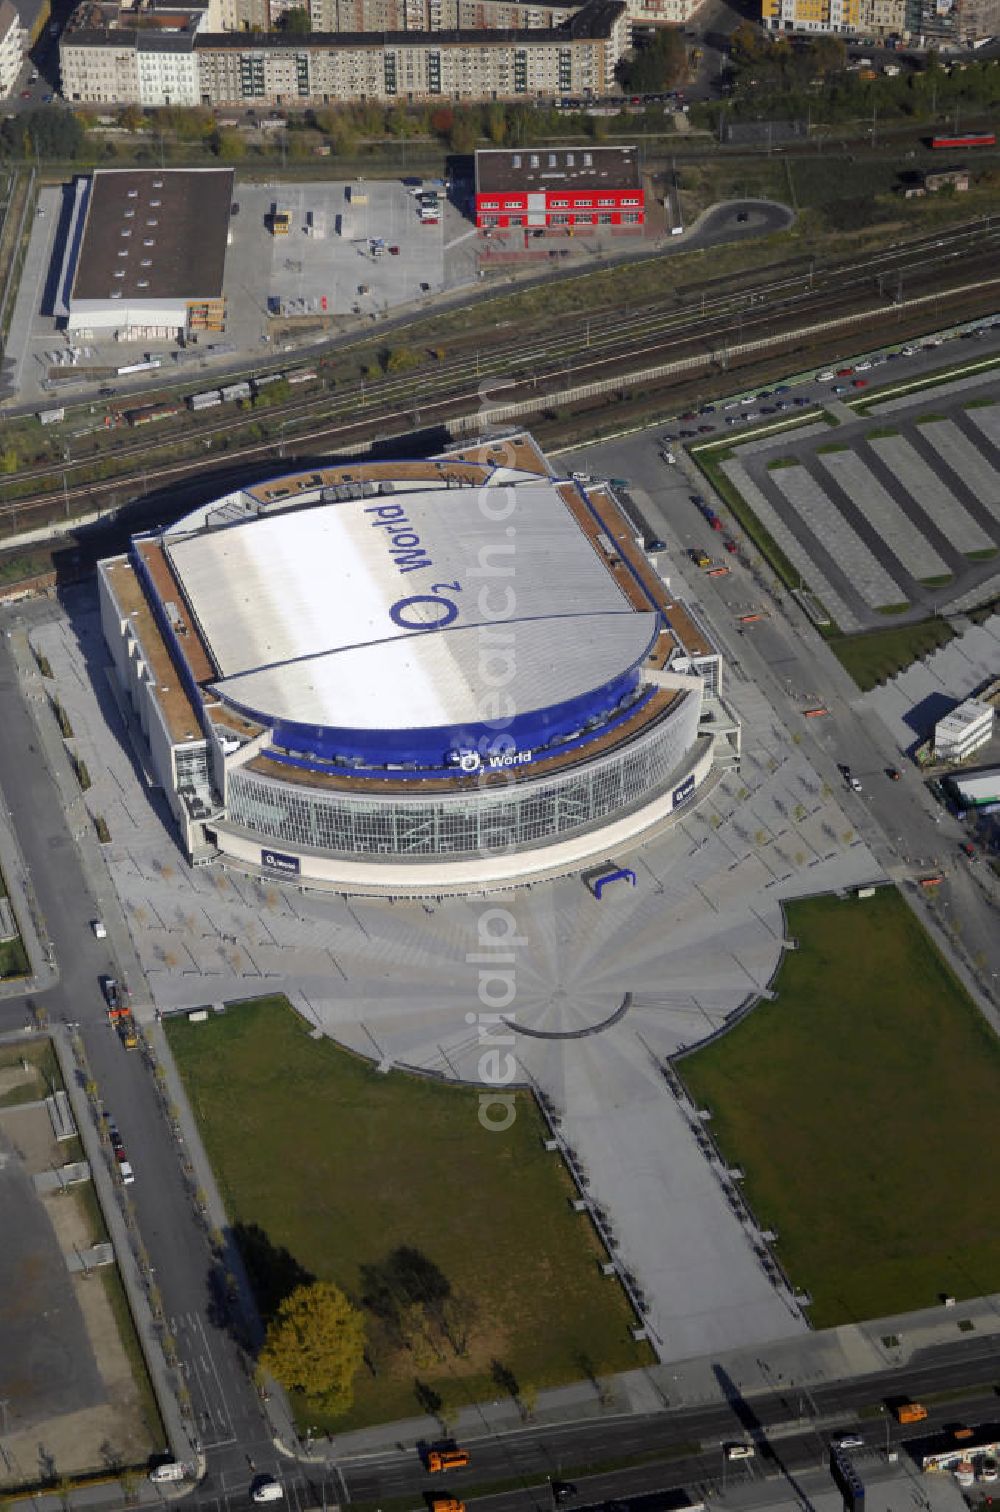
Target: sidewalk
(34, 935)
(798, 1364)
(179, 1434)
(52, 748)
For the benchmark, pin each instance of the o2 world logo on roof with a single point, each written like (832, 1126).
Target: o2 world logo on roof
(434, 610)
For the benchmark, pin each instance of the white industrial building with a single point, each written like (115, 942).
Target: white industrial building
(145, 255)
(964, 730)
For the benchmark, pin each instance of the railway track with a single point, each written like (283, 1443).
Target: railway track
(528, 371)
(646, 335)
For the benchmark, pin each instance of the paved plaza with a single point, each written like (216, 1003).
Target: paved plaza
(603, 992)
(894, 511)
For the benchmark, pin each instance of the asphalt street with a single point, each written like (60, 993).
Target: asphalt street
(227, 1417)
(737, 220)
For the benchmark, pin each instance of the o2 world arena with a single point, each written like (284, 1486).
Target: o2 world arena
(407, 677)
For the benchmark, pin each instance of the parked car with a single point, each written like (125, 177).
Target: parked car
(100, 931)
(167, 1470)
(110, 989)
(859, 382)
(264, 1488)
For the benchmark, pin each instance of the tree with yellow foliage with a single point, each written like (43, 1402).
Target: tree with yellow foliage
(315, 1344)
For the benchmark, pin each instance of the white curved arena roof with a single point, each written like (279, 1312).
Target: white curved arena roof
(312, 615)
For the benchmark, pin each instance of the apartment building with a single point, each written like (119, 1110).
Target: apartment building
(113, 56)
(578, 58)
(875, 18)
(11, 52)
(438, 15)
(118, 60)
(958, 22)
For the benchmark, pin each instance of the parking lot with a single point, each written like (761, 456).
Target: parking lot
(332, 270)
(895, 511)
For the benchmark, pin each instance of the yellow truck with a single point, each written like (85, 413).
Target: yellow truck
(447, 1459)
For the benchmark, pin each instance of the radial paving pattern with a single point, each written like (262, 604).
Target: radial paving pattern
(428, 985)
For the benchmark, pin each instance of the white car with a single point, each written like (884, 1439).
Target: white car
(126, 1173)
(862, 367)
(856, 785)
(100, 931)
(169, 1470)
(264, 1488)
(849, 1441)
(826, 377)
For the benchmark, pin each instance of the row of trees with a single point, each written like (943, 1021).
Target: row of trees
(317, 1339)
(43, 134)
(656, 66)
(344, 128)
(793, 78)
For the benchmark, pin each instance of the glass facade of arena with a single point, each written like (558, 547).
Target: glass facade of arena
(500, 818)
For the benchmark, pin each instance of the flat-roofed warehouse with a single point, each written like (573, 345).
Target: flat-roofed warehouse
(559, 188)
(146, 252)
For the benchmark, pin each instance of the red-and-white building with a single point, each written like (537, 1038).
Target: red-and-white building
(559, 189)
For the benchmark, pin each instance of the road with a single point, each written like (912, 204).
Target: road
(227, 1415)
(797, 1423)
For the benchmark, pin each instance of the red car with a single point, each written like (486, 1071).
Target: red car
(859, 383)
(844, 372)
(731, 546)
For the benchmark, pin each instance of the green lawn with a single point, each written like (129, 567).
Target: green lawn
(862, 1106)
(876, 655)
(339, 1166)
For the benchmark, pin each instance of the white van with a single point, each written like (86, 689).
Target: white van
(265, 1488)
(739, 1451)
(170, 1470)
